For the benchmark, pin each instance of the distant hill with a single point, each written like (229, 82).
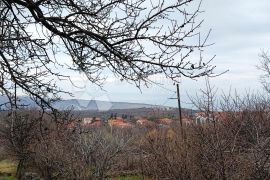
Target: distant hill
(96, 105)
(80, 104)
(23, 100)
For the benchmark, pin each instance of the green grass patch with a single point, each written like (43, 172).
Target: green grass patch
(6, 178)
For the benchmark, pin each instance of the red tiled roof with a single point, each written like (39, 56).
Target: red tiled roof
(119, 122)
(95, 123)
(144, 122)
(88, 120)
(165, 121)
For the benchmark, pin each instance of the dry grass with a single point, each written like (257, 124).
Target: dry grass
(7, 166)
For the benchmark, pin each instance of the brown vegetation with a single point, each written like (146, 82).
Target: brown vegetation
(236, 147)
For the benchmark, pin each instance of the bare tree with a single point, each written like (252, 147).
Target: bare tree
(18, 132)
(26, 135)
(206, 101)
(264, 66)
(132, 39)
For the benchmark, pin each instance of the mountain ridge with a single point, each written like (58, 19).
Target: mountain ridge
(83, 104)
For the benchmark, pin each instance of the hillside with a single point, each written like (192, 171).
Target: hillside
(84, 105)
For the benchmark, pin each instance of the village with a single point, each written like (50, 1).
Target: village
(123, 122)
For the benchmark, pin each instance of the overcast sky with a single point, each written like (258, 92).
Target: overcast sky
(240, 31)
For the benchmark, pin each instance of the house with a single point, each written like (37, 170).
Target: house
(91, 121)
(187, 120)
(119, 122)
(216, 116)
(145, 122)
